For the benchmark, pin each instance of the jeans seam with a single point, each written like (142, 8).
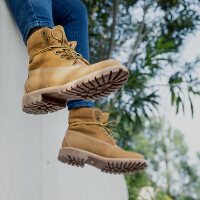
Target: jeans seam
(32, 9)
(72, 21)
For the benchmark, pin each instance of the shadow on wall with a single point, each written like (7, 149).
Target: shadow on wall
(29, 144)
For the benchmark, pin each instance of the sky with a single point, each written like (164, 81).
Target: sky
(184, 122)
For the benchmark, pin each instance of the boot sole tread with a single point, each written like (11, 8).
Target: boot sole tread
(93, 86)
(78, 158)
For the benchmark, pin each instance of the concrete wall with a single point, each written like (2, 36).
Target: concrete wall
(29, 144)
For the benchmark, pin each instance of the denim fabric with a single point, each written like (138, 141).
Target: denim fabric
(30, 14)
(71, 14)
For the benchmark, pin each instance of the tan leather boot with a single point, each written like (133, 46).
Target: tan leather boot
(89, 141)
(57, 73)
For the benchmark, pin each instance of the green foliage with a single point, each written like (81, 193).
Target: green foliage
(155, 39)
(167, 155)
(147, 38)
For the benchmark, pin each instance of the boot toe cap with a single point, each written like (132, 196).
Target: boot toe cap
(138, 156)
(130, 155)
(107, 63)
(133, 155)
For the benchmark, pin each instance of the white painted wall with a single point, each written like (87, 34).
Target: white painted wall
(29, 144)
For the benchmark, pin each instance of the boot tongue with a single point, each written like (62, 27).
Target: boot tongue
(72, 44)
(58, 34)
(105, 117)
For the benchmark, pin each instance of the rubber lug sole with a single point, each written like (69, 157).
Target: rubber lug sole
(93, 86)
(78, 157)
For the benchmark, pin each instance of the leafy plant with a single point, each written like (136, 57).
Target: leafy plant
(147, 37)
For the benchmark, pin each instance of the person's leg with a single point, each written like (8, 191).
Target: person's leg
(40, 15)
(72, 15)
(81, 143)
(57, 73)
(30, 14)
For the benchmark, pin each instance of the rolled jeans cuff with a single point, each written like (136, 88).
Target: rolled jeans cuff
(34, 25)
(79, 103)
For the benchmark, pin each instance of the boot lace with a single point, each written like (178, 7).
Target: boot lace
(104, 126)
(65, 49)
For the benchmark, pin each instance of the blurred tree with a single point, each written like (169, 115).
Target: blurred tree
(172, 174)
(147, 37)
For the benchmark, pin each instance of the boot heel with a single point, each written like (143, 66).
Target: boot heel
(72, 157)
(41, 104)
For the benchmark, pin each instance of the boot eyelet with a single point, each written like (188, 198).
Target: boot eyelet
(62, 56)
(57, 52)
(102, 129)
(47, 40)
(44, 33)
(68, 59)
(97, 118)
(97, 113)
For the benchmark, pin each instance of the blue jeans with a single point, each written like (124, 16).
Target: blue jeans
(71, 14)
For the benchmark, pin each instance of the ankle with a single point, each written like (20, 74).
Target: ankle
(33, 30)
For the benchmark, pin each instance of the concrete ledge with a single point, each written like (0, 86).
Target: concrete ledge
(29, 144)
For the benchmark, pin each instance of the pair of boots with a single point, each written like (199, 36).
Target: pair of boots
(57, 73)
